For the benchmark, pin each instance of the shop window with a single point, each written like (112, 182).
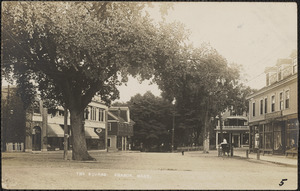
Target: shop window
(268, 140)
(245, 139)
(287, 99)
(273, 104)
(277, 141)
(281, 101)
(291, 141)
(292, 134)
(267, 128)
(260, 128)
(277, 126)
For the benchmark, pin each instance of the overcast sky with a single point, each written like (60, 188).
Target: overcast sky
(253, 35)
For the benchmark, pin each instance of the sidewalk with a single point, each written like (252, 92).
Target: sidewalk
(279, 159)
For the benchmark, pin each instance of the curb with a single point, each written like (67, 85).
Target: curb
(265, 161)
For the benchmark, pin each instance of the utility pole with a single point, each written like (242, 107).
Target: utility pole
(173, 128)
(66, 134)
(106, 129)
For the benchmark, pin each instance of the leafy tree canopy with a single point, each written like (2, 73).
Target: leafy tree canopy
(153, 119)
(79, 48)
(71, 51)
(204, 85)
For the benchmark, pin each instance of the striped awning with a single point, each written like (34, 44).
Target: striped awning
(54, 130)
(90, 133)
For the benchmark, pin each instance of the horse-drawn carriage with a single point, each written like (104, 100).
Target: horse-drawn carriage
(225, 149)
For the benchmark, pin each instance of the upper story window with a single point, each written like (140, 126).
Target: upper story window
(273, 103)
(287, 99)
(261, 107)
(101, 114)
(253, 109)
(266, 105)
(93, 113)
(109, 127)
(86, 113)
(281, 101)
(61, 113)
(36, 110)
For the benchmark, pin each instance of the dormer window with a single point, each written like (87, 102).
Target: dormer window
(279, 73)
(295, 66)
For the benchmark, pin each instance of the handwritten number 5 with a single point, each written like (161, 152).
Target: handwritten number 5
(282, 183)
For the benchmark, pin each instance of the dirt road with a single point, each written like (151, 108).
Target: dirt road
(135, 170)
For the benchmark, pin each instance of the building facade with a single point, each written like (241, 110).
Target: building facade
(273, 110)
(235, 130)
(120, 129)
(45, 127)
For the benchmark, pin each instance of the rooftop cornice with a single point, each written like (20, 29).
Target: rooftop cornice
(275, 85)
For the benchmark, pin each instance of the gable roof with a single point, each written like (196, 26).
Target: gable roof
(114, 117)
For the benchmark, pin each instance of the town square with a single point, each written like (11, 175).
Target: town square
(109, 95)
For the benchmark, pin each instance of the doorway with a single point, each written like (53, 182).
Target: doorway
(235, 140)
(36, 138)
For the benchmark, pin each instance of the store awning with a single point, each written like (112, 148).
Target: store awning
(54, 130)
(90, 133)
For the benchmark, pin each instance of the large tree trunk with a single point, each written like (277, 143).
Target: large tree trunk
(206, 133)
(221, 126)
(79, 148)
(66, 134)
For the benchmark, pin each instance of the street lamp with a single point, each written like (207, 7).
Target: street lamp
(173, 129)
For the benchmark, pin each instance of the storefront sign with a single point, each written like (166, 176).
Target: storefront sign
(273, 115)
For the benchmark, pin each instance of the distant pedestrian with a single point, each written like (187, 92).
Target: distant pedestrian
(224, 141)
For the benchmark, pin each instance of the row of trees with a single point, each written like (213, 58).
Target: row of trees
(204, 85)
(68, 52)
